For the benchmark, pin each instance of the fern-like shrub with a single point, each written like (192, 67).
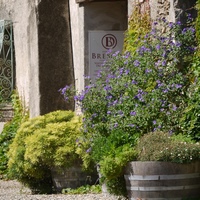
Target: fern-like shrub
(43, 143)
(9, 131)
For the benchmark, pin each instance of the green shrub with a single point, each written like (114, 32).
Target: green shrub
(159, 146)
(43, 143)
(138, 26)
(9, 131)
(190, 120)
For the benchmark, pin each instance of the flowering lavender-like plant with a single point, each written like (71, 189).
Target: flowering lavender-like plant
(140, 92)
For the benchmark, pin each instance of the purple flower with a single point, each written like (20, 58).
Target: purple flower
(139, 96)
(63, 90)
(148, 71)
(109, 112)
(146, 36)
(174, 108)
(126, 85)
(87, 77)
(88, 150)
(107, 88)
(164, 62)
(134, 82)
(121, 70)
(143, 49)
(165, 91)
(127, 71)
(127, 55)
(76, 98)
(158, 47)
(109, 51)
(189, 16)
(94, 115)
(192, 29)
(162, 39)
(98, 74)
(171, 24)
(126, 62)
(109, 97)
(132, 113)
(110, 76)
(153, 31)
(160, 84)
(178, 44)
(164, 55)
(115, 125)
(155, 23)
(178, 86)
(192, 49)
(154, 122)
(184, 30)
(136, 63)
(113, 103)
(116, 53)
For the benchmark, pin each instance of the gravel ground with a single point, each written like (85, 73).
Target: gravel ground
(13, 190)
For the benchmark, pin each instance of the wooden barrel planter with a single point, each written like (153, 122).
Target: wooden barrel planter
(162, 180)
(72, 177)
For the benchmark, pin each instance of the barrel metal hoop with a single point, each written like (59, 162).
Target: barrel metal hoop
(163, 188)
(161, 177)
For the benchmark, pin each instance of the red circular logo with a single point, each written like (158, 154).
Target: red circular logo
(109, 41)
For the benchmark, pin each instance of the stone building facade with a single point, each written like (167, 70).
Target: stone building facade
(51, 41)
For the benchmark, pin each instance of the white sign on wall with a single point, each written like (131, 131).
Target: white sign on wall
(100, 43)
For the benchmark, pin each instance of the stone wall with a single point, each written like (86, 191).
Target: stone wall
(55, 56)
(172, 10)
(42, 51)
(23, 15)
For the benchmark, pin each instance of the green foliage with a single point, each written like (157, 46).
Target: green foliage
(197, 23)
(112, 166)
(138, 26)
(190, 121)
(86, 189)
(9, 131)
(42, 143)
(158, 146)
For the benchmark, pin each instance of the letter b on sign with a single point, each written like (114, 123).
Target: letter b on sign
(109, 41)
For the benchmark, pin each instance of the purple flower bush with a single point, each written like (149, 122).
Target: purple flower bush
(137, 93)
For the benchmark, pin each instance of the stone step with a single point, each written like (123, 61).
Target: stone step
(6, 112)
